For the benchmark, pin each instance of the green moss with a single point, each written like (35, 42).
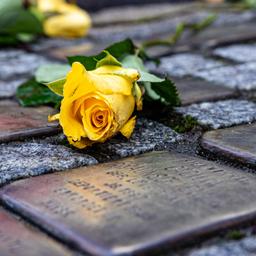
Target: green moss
(168, 117)
(235, 235)
(186, 124)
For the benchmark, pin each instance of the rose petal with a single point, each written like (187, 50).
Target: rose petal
(53, 118)
(128, 128)
(70, 122)
(122, 106)
(83, 143)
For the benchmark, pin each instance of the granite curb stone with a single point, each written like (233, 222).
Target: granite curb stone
(25, 64)
(185, 64)
(244, 247)
(8, 88)
(241, 76)
(238, 53)
(148, 136)
(221, 114)
(25, 159)
(143, 31)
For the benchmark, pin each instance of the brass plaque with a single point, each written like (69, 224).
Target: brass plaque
(136, 204)
(18, 122)
(194, 90)
(18, 239)
(62, 53)
(238, 143)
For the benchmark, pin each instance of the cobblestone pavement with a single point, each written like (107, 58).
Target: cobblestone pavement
(215, 73)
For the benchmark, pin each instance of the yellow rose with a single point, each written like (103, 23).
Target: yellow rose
(97, 104)
(68, 20)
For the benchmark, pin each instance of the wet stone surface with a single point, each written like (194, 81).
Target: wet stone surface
(25, 159)
(237, 143)
(187, 193)
(222, 113)
(19, 122)
(19, 64)
(242, 76)
(148, 136)
(186, 64)
(104, 205)
(244, 247)
(194, 90)
(239, 53)
(18, 238)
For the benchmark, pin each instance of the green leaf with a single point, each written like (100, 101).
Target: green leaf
(25, 38)
(108, 60)
(148, 77)
(133, 61)
(121, 48)
(51, 72)
(15, 20)
(33, 93)
(6, 5)
(167, 92)
(117, 50)
(150, 93)
(88, 62)
(8, 40)
(57, 86)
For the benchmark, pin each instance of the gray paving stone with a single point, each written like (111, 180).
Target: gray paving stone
(244, 247)
(148, 136)
(44, 44)
(25, 159)
(237, 143)
(239, 53)
(234, 18)
(186, 64)
(19, 64)
(241, 76)
(160, 10)
(143, 31)
(166, 26)
(222, 113)
(132, 13)
(8, 88)
(249, 244)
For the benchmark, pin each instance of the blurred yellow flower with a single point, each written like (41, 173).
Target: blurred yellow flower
(64, 20)
(97, 104)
